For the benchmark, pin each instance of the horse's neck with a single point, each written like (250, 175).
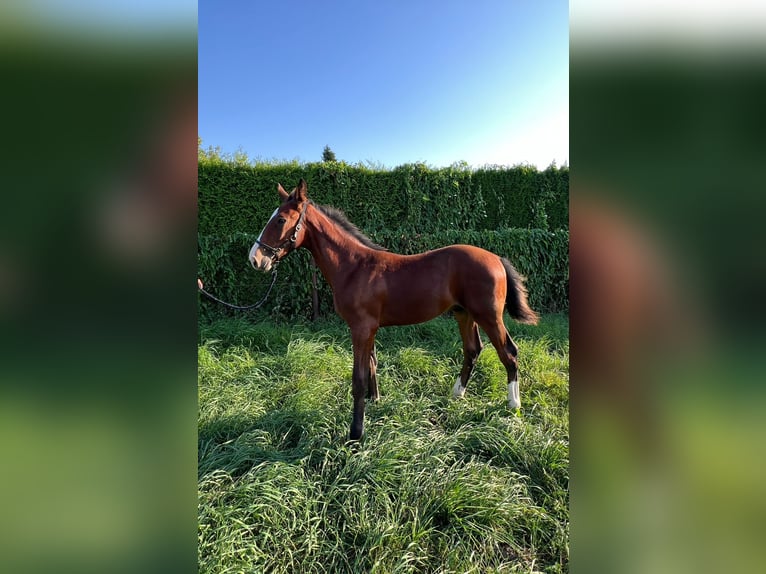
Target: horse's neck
(334, 251)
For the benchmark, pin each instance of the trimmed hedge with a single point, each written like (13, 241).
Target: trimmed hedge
(413, 198)
(542, 256)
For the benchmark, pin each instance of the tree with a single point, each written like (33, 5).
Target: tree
(328, 154)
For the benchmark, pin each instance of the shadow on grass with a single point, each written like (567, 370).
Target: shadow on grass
(287, 434)
(291, 432)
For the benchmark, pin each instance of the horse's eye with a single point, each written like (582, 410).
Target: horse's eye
(281, 221)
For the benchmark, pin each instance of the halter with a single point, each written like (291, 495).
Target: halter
(275, 251)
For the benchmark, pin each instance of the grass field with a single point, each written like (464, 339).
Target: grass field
(435, 485)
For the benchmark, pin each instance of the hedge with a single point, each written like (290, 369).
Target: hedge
(542, 256)
(413, 198)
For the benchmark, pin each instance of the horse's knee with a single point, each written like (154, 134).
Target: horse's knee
(359, 382)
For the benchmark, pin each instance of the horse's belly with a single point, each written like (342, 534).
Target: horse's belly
(411, 307)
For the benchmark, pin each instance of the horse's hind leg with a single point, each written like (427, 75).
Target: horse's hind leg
(372, 385)
(469, 332)
(507, 351)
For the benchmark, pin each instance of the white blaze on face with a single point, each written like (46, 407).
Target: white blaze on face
(256, 245)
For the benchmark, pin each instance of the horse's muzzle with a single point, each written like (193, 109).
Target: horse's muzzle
(259, 260)
(262, 262)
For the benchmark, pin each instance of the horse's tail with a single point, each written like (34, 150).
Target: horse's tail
(516, 297)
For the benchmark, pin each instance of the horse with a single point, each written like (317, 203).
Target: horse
(373, 287)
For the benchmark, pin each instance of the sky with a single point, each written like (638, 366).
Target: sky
(386, 83)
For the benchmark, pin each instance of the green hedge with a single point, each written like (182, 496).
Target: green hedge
(239, 197)
(542, 256)
(524, 197)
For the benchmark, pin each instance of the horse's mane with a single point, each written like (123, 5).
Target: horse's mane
(338, 217)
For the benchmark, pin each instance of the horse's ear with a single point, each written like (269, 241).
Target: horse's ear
(300, 191)
(283, 195)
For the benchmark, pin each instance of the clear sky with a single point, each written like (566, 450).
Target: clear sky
(387, 82)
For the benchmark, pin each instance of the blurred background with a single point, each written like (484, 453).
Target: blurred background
(668, 274)
(98, 299)
(97, 286)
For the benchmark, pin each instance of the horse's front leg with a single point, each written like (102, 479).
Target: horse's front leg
(372, 387)
(363, 339)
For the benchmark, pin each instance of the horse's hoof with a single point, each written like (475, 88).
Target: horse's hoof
(458, 390)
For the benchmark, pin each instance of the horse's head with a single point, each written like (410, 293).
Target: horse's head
(284, 231)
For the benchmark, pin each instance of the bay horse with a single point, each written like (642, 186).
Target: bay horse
(374, 288)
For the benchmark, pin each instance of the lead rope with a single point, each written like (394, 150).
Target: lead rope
(241, 307)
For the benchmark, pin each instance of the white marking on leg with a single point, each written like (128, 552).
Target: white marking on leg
(514, 401)
(458, 390)
(256, 245)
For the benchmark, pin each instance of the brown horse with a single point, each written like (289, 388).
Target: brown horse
(374, 288)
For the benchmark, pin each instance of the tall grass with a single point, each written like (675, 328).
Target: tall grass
(436, 484)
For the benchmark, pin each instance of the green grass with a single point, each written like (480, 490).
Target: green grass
(435, 485)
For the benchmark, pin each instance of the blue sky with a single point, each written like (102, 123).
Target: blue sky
(400, 81)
